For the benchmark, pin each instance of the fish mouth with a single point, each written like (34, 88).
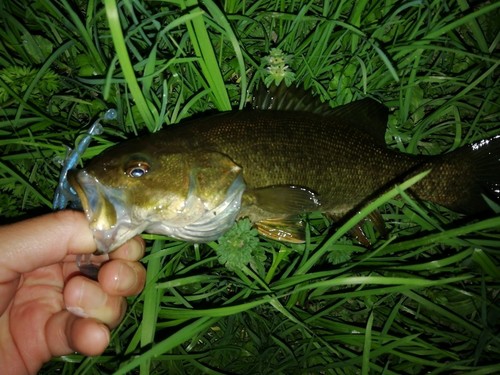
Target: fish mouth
(105, 209)
(99, 210)
(73, 181)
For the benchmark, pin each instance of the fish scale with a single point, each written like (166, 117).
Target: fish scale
(285, 149)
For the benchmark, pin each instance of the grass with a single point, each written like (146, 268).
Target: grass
(424, 299)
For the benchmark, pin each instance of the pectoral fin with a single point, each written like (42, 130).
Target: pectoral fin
(284, 199)
(289, 229)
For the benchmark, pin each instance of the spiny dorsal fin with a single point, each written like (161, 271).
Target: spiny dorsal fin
(366, 115)
(283, 98)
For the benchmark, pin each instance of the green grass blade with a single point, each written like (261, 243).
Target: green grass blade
(208, 62)
(145, 109)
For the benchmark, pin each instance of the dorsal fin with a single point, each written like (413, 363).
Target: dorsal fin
(283, 98)
(366, 115)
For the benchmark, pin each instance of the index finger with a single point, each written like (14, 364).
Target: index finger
(44, 240)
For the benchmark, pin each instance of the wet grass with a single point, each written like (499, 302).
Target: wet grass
(423, 299)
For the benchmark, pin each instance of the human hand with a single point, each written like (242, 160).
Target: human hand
(47, 308)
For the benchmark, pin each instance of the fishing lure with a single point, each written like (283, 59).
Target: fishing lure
(65, 195)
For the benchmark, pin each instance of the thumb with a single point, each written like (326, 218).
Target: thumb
(41, 241)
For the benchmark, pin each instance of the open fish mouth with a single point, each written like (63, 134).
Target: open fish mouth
(109, 219)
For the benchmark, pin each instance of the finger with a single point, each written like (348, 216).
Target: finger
(89, 336)
(42, 241)
(85, 298)
(67, 333)
(122, 278)
(130, 250)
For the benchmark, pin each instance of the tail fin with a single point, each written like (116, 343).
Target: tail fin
(480, 167)
(460, 180)
(485, 155)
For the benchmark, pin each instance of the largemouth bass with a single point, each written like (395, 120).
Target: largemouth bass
(288, 155)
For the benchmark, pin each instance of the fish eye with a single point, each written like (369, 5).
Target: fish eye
(137, 169)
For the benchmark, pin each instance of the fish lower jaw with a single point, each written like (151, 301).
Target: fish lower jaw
(108, 240)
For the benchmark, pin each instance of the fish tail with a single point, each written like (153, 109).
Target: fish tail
(460, 180)
(485, 157)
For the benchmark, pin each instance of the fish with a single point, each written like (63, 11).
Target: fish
(287, 155)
